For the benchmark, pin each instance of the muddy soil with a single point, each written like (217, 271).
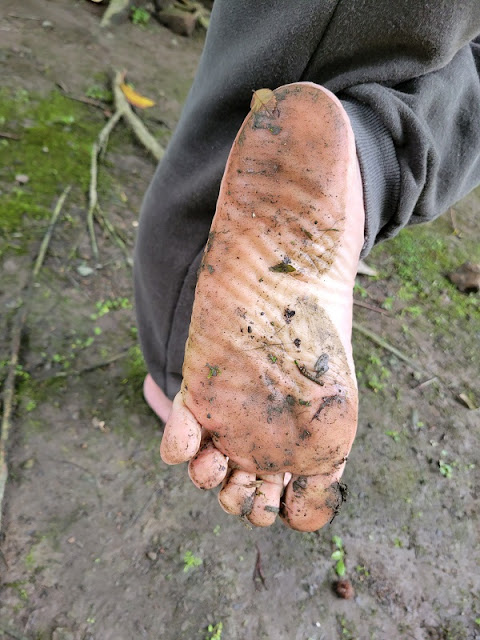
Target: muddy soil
(103, 541)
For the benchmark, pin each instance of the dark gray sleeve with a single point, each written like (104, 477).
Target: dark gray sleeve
(418, 143)
(409, 80)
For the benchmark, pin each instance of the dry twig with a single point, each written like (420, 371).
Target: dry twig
(16, 337)
(90, 367)
(122, 110)
(371, 307)
(388, 347)
(9, 136)
(258, 576)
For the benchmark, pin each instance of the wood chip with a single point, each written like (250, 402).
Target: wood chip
(464, 399)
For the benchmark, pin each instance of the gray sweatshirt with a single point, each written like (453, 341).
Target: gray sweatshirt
(407, 73)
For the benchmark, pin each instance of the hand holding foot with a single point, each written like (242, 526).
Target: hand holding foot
(268, 380)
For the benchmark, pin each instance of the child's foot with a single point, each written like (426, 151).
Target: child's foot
(156, 399)
(269, 379)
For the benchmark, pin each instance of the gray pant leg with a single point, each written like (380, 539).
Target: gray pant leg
(409, 81)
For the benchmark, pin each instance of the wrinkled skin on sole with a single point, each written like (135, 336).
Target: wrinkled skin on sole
(268, 379)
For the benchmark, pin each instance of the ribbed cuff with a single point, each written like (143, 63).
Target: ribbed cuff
(379, 168)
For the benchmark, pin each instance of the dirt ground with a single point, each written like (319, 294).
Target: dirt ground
(100, 539)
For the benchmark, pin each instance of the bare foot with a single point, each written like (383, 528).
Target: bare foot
(156, 399)
(269, 380)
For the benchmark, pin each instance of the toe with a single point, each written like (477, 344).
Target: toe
(266, 503)
(182, 435)
(238, 493)
(208, 468)
(310, 502)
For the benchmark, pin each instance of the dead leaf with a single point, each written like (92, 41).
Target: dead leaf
(467, 402)
(263, 99)
(134, 98)
(467, 277)
(84, 270)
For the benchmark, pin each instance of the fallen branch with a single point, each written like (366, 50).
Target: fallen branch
(427, 383)
(139, 129)
(117, 11)
(122, 110)
(388, 347)
(91, 367)
(9, 136)
(108, 227)
(371, 307)
(18, 325)
(98, 148)
(93, 198)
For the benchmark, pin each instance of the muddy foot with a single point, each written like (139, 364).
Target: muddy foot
(269, 379)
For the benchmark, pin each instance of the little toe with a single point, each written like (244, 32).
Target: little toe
(266, 503)
(208, 468)
(182, 435)
(311, 501)
(238, 493)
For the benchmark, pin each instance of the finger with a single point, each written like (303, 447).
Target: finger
(238, 493)
(182, 434)
(208, 468)
(266, 503)
(310, 502)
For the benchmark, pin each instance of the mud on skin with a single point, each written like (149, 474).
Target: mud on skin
(268, 356)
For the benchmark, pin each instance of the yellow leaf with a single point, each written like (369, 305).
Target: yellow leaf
(135, 98)
(263, 99)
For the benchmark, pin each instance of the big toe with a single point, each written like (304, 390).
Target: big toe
(311, 501)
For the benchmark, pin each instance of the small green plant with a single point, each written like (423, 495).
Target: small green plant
(99, 93)
(387, 304)
(339, 556)
(362, 570)
(445, 469)
(361, 291)
(21, 373)
(190, 561)
(140, 16)
(346, 628)
(414, 310)
(113, 304)
(214, 631)
(31, 405)
(395, 435)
